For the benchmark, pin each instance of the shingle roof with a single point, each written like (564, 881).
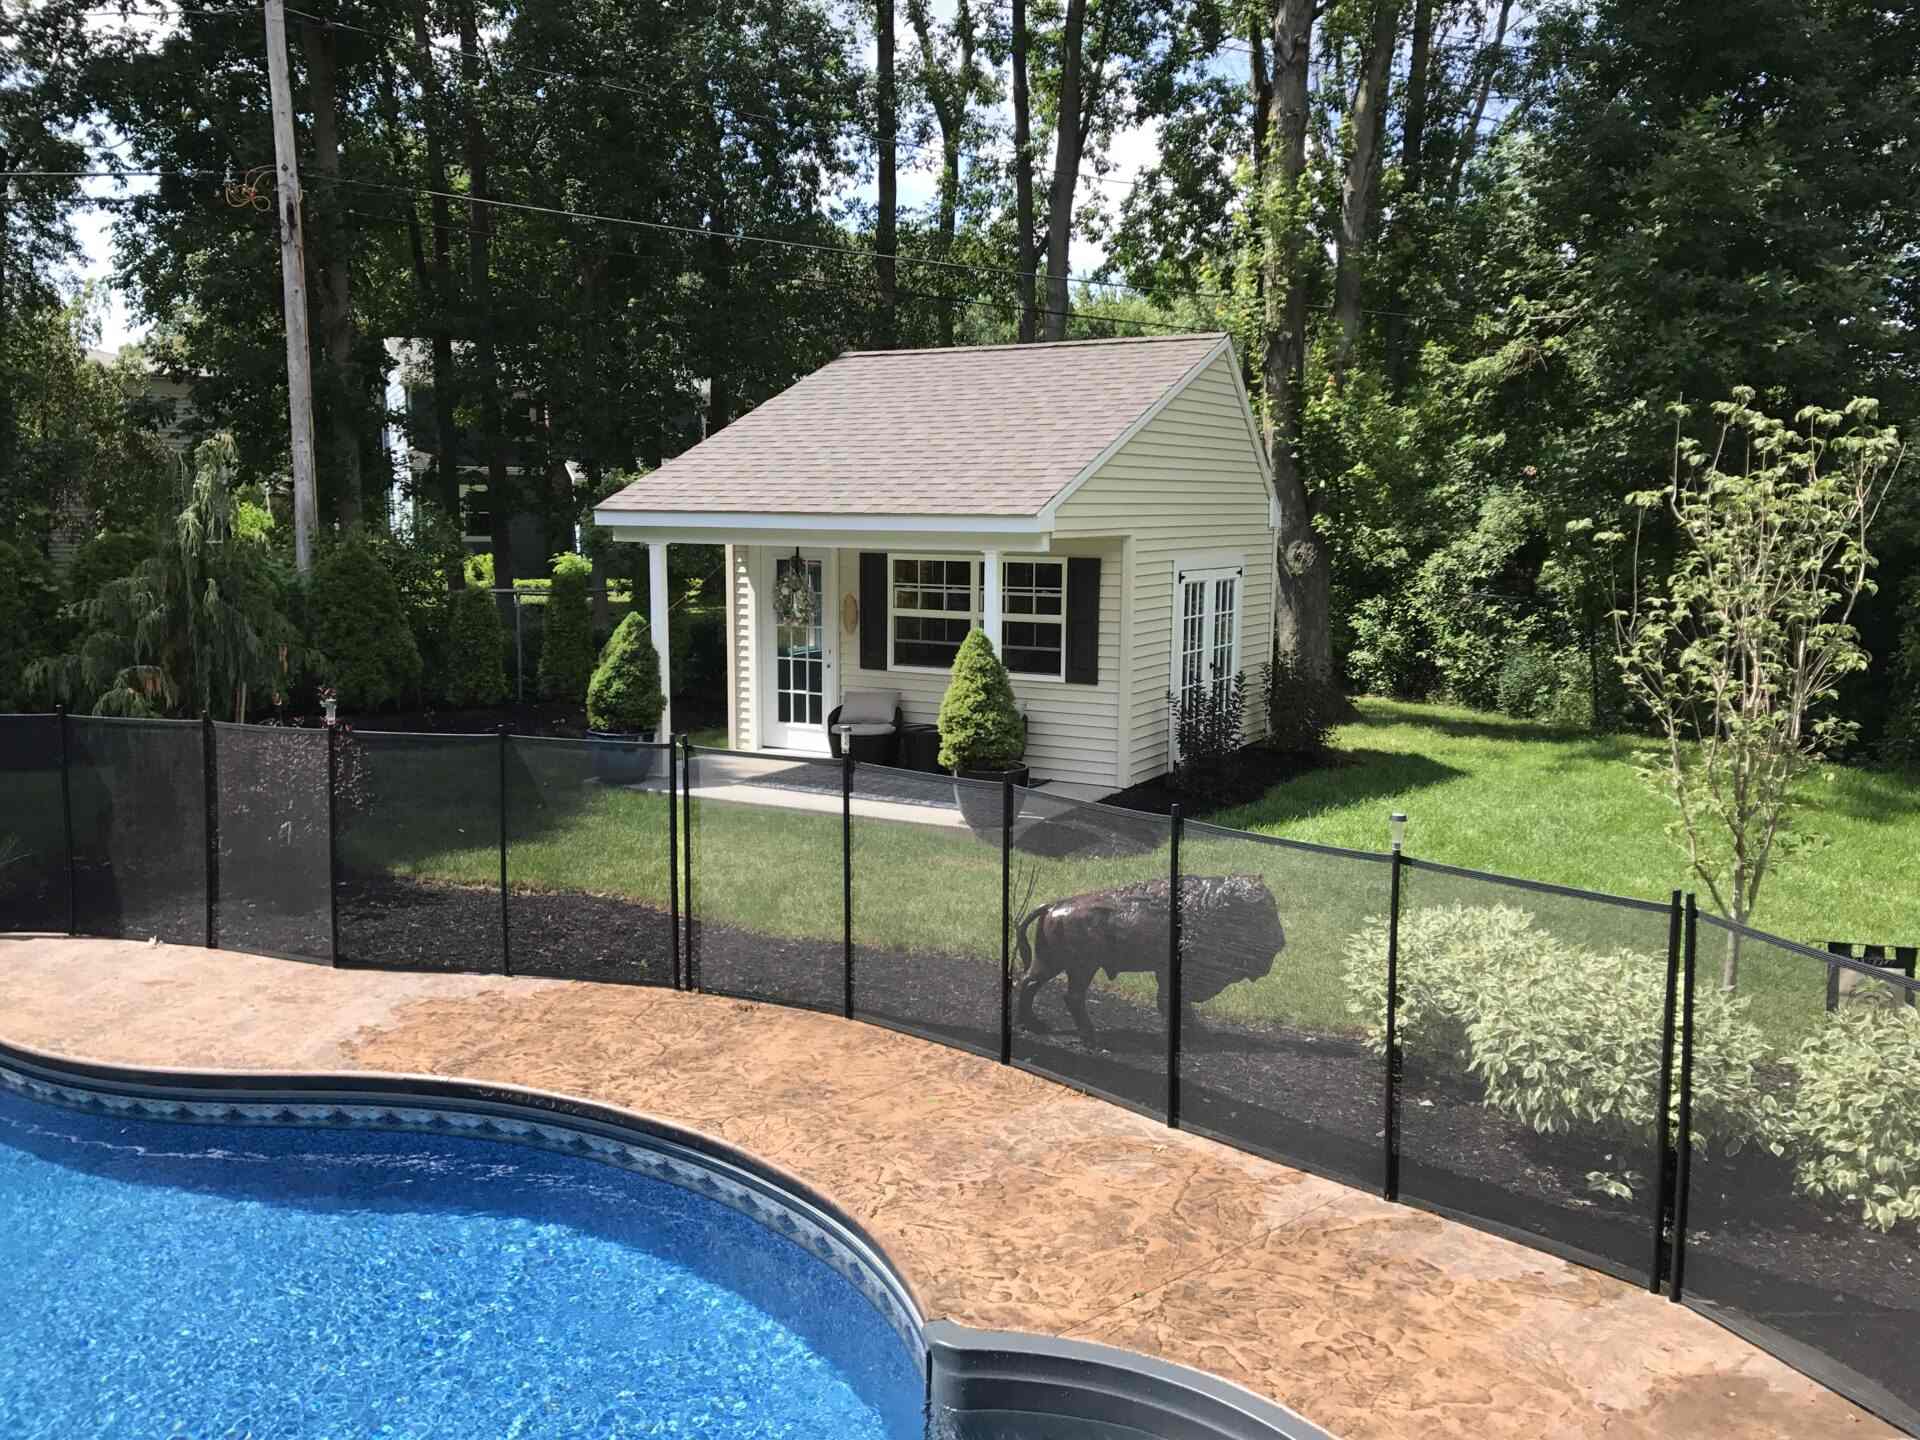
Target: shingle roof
(981, 430)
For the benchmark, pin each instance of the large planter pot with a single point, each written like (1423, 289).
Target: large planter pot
(980, 807)
(627, 764)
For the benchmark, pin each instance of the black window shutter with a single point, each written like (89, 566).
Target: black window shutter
(873, 610)
(1083, 620)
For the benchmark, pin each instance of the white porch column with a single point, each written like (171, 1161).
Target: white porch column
(657, 623)
(990, 597)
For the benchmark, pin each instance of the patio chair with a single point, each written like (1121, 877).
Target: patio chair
(867, 723)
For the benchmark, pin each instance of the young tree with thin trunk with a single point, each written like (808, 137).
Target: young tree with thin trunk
(1736, 656)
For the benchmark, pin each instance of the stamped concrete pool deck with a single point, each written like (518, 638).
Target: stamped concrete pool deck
(1007, 1201)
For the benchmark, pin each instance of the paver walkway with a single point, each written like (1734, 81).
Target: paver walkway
(1007, 1201)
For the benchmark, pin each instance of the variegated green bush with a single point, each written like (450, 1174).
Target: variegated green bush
(1855, 1114)
(1565, 1037)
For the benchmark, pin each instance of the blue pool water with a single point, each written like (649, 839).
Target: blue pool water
(216, 1282)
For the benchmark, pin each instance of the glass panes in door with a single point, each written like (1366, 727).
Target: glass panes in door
(800, 681)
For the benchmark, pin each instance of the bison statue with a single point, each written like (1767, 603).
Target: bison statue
(1229, 930)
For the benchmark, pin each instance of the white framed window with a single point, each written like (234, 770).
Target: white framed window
(933, 601)
(1033, 617)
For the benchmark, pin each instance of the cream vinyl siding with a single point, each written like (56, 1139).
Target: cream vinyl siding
(1189, 482)
(1073, 731)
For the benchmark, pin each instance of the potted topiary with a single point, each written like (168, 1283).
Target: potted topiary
(624, 703)
(982, 736)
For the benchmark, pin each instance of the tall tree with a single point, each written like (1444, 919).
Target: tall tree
(1366, 121)
(1026, 258)
(1303, 630)
(886, 230)
(502, 502)
(953, 82)
(340, 390)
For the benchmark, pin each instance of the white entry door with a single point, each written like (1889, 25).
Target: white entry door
(797, 661)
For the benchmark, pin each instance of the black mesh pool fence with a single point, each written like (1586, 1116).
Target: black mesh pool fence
(927, 951)
(1664, 1096)
(1281, 945)
(417, 852)
(588, 852)
(33, 825)
(766, 913)
(270, 839)
(1812, 1252)
(1092, 888)
(1532, 1025)
(138, 795)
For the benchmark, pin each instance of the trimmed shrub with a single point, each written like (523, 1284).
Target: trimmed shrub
(474, 674)
(624, 695)
(1855, 1125)
(29, 610)
(1566, 1038)
(355, 618)
(980, 726)
(566, 646)
(1207, 729)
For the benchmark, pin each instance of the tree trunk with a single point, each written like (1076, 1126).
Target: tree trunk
(1023, 176)
(446, 434)
(1363, 168)
(500, 500)
(886, 228)
(1067, 137)
(1303, 630)
(1490, 61)
(6, 246)
(333, 290)
(1413, 141)
(951, 98)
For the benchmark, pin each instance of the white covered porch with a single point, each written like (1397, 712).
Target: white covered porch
(893, 600)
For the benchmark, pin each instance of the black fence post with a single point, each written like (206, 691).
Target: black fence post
(673, 853)
(1676, 1275)
(506, 939)
(846, 879)
(1663, 1105)
(66, 816)
(333, 843)
(210, 805)
(1390, 1131)
(686, 860)
(1175, 827)
(1006, 922)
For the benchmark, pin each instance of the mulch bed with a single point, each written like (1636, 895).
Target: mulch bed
(1240, 780)
(1810, 1270)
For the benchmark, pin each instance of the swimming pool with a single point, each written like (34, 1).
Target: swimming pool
(379, 1271)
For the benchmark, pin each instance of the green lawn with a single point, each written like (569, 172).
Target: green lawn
(1482, 792)
(1519, 799)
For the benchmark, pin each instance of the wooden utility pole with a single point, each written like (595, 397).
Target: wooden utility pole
(293, 290)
